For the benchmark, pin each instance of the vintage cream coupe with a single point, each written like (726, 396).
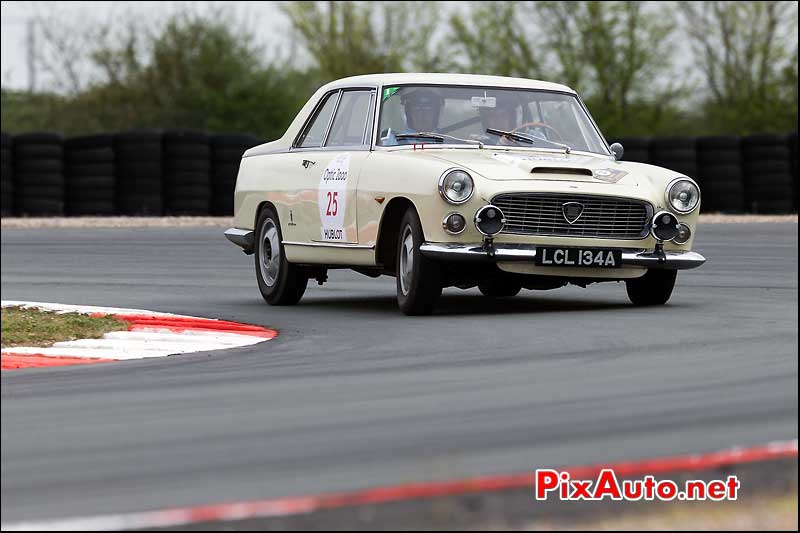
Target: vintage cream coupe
(448, 180)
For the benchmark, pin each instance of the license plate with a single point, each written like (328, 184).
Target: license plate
(578, 257)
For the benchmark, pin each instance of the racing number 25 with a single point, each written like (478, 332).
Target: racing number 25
(333, 204)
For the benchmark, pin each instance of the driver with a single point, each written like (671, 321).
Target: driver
(422, 108)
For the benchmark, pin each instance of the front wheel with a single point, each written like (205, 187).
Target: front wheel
(500, 288)
(654, 288)
(418, 278)
(280, 282)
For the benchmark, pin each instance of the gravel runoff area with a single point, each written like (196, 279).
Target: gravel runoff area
(183, 222)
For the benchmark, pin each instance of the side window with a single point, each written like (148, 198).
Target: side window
(314, 134)
(351, 119)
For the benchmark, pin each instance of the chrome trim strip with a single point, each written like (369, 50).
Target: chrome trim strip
(527, 252)
(331, 245)
(330, 120)
(244, 238)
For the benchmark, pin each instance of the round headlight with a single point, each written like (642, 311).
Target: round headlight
(683, 195)
(456, 186)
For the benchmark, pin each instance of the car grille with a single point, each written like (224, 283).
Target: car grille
(603, 217)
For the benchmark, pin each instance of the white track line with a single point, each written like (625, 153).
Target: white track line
(143, 341)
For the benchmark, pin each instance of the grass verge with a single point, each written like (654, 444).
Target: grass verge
(32, 327)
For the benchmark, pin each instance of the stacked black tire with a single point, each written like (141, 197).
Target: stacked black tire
(90, 175)
(720, 165)
(676, 153)
(6, 175)
(636, 149)
(793, 151)
(767, 174)
(226, 155)
(140, 176)
(39, 174)
(187, 172)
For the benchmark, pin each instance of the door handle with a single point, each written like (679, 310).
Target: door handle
(307, 163)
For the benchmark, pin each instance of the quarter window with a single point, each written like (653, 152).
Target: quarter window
(314, 134)
(350, 123)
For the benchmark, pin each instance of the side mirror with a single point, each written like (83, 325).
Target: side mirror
(617, 150)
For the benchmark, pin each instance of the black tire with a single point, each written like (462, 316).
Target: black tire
(418, 290)
(654, 288)
(76, 171)
(42, 206)
(24, 152)
(39, 166)
(89, 156)
(50, 179)
(133, 153)
(177, 152)
(227, 155)
(140, 204)
(43, 137)
(287, 285)
(227, 140)
(89, 142)
(95, 207)
(177, 166)
(502, 287)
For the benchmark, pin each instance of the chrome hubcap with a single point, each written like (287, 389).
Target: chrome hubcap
(406, 260)
(270, 253)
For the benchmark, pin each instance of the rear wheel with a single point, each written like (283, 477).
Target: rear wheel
(654, 288)
(280, 282)
(418, 278)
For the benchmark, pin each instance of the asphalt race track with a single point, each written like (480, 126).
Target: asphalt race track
(353, 394)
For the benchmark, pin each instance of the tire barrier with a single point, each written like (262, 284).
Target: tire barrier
(6, 176)
(187, 172)
(793, 150)
(39, 174)
(90, 175)
(226, 154)
(678, 154)
(766, 160)
(139, 185)
(719, 162)
(637, 149)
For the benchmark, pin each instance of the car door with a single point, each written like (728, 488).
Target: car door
(331, 165)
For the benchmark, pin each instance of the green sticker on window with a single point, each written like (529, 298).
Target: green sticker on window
(389, 91)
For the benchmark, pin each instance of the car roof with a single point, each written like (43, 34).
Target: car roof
(446, 79)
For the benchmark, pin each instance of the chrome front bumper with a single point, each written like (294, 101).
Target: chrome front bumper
(527, 252)
(244, 238)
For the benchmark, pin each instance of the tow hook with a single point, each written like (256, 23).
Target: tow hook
(488, 245)
(659, 252)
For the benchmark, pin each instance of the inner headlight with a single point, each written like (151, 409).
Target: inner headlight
(456, 186)
(683, 195)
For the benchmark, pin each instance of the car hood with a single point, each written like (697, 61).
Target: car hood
(516, 165)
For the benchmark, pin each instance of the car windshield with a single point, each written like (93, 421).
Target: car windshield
(499, 117)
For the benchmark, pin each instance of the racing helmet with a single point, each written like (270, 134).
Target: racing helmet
(424, 100)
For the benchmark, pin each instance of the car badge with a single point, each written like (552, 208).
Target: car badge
(572, 211)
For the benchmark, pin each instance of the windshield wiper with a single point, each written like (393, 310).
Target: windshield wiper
(437, 136)
(526, 138)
